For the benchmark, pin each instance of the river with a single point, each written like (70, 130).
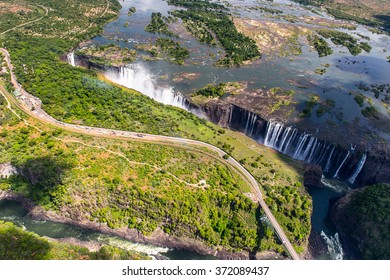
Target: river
(157, 79)
(12, 211)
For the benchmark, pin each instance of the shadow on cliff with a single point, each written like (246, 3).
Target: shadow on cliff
(44, 177)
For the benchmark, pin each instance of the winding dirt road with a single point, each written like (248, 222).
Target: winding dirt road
(31, 105)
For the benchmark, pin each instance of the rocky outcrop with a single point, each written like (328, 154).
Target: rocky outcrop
(376, 170)
(312, 176)
(218, 112)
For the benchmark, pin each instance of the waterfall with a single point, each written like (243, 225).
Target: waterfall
(328, 162)
(71, 59)
(273, 131)
(250, 123)
(336, 175)
(333, 243)
(359, 168)
(305, 147)
(137, 77)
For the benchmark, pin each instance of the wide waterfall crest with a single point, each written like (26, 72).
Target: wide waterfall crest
(335, 161)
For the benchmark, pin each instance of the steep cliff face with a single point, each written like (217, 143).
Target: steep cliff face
(349, 164)
(363, 219)
(312, 176)
(218, 112)
(376, 170)
(336, 158)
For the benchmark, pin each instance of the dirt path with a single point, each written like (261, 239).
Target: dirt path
(29, 22)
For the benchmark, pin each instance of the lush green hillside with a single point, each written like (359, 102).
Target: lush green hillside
(364, 216)
(18, 244)
(143, 194)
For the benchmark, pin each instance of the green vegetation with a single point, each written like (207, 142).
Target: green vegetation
(18, 244)
(320, 71)
(311, 102)
(131, 11)
(266, 10)
(365, 46)
(167, 49)
(365, 219)
(199, 31)
(175, 53)
(238, 47)
(212, 90)
(20, 15)
(388, 58)
(371, 112)
(158, 24)
(217, 90)
(103, 187)
(377, 89)
(320, 45)
(109, 55)
(360, 98)
(325, 107)
(200, 5)
(71, 19)
(278, 90)
(343, 39)
(144, 189)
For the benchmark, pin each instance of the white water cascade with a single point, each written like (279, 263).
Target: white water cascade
(301, 146)
(359, 168)
(71, 59)
(305, 147)
(333, 243)
(137, 77)
(250, 123)
(128, 245)
(336, 175)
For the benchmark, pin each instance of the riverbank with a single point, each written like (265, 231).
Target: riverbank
(157, 238)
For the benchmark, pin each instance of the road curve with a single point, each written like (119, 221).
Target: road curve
(31, 105)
